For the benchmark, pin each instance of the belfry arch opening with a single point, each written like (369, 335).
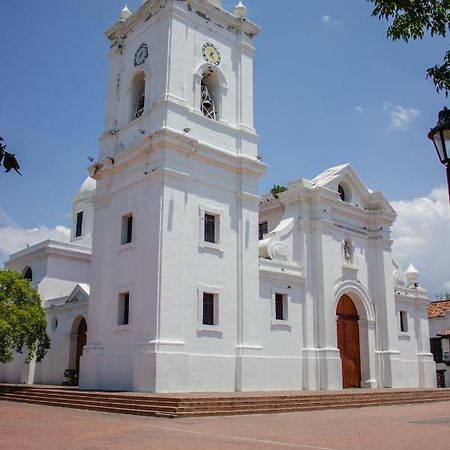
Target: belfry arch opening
(138, 96)
(210, 94)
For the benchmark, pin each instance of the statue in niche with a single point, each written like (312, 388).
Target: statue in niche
(348, 256)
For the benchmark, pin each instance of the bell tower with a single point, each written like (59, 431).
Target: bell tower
(175, 262)
(174, 64)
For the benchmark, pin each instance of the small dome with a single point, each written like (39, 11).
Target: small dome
(89, 184)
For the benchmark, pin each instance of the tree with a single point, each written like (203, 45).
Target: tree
(22, 319)
(8, 160)
(277, 189)
(412, 19)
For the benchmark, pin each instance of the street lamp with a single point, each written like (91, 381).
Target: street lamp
(440, 135)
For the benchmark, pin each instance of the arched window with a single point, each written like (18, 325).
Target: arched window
(210, 94)
(27, 273)
(345, 193)
(138, 96)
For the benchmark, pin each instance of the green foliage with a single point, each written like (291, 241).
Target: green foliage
(22, 319)
(277, 190)
(411, 19)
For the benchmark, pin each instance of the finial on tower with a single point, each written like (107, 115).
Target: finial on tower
(240, 11)
(124, 14)
(412, 274)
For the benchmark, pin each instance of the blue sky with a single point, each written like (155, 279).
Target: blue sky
(341, 90)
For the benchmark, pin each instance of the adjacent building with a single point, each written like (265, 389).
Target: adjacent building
(439, 316)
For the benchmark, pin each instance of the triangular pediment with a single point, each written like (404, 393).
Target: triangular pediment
(356, 192)
(80, 294)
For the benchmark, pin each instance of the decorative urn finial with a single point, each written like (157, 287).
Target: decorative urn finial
(124, 14)
(240, 11)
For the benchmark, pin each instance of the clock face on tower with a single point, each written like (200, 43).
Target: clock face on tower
(211, 54)
(141, 55)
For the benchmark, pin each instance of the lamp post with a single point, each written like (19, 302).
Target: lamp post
(440, 135)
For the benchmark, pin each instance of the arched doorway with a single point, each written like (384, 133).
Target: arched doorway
(348, 342)
(81, 342)
(78, 339)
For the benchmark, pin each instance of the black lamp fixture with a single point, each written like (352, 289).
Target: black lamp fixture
(440, 135)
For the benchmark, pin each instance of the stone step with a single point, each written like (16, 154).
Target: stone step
(84, 402)
(200, 402)
(255, 410)
(191, 406)
(235, 402)
(93, 407)
(214, 399)
(80, 396)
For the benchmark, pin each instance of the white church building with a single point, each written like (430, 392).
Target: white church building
(164, 286)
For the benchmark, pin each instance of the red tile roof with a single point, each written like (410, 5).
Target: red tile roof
(445, 333)
(438, 309)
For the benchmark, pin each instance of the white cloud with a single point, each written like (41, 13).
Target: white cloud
(400, 117)
(13, 239)
(421, 235)
(358, 109)
(328, 19)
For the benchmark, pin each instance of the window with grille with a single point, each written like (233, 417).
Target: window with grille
(280, 306)
(210, 224)
(208, 309)
(79, 226)
(263, 229)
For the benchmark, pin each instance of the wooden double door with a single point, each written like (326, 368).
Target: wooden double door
(348, 342)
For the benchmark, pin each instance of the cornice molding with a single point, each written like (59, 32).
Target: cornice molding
(50, 248)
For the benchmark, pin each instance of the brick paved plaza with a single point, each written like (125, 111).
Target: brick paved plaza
(426, 426)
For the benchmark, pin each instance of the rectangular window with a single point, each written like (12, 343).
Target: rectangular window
(436, 349)
(127, 229)
(210, 228)
(124, 309)
(280, 306)
(79, 227)
(263, 229)
(403, 321)
(208, 309)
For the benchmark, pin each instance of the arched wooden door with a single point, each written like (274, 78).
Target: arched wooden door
(81, 342)
(348, 342)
